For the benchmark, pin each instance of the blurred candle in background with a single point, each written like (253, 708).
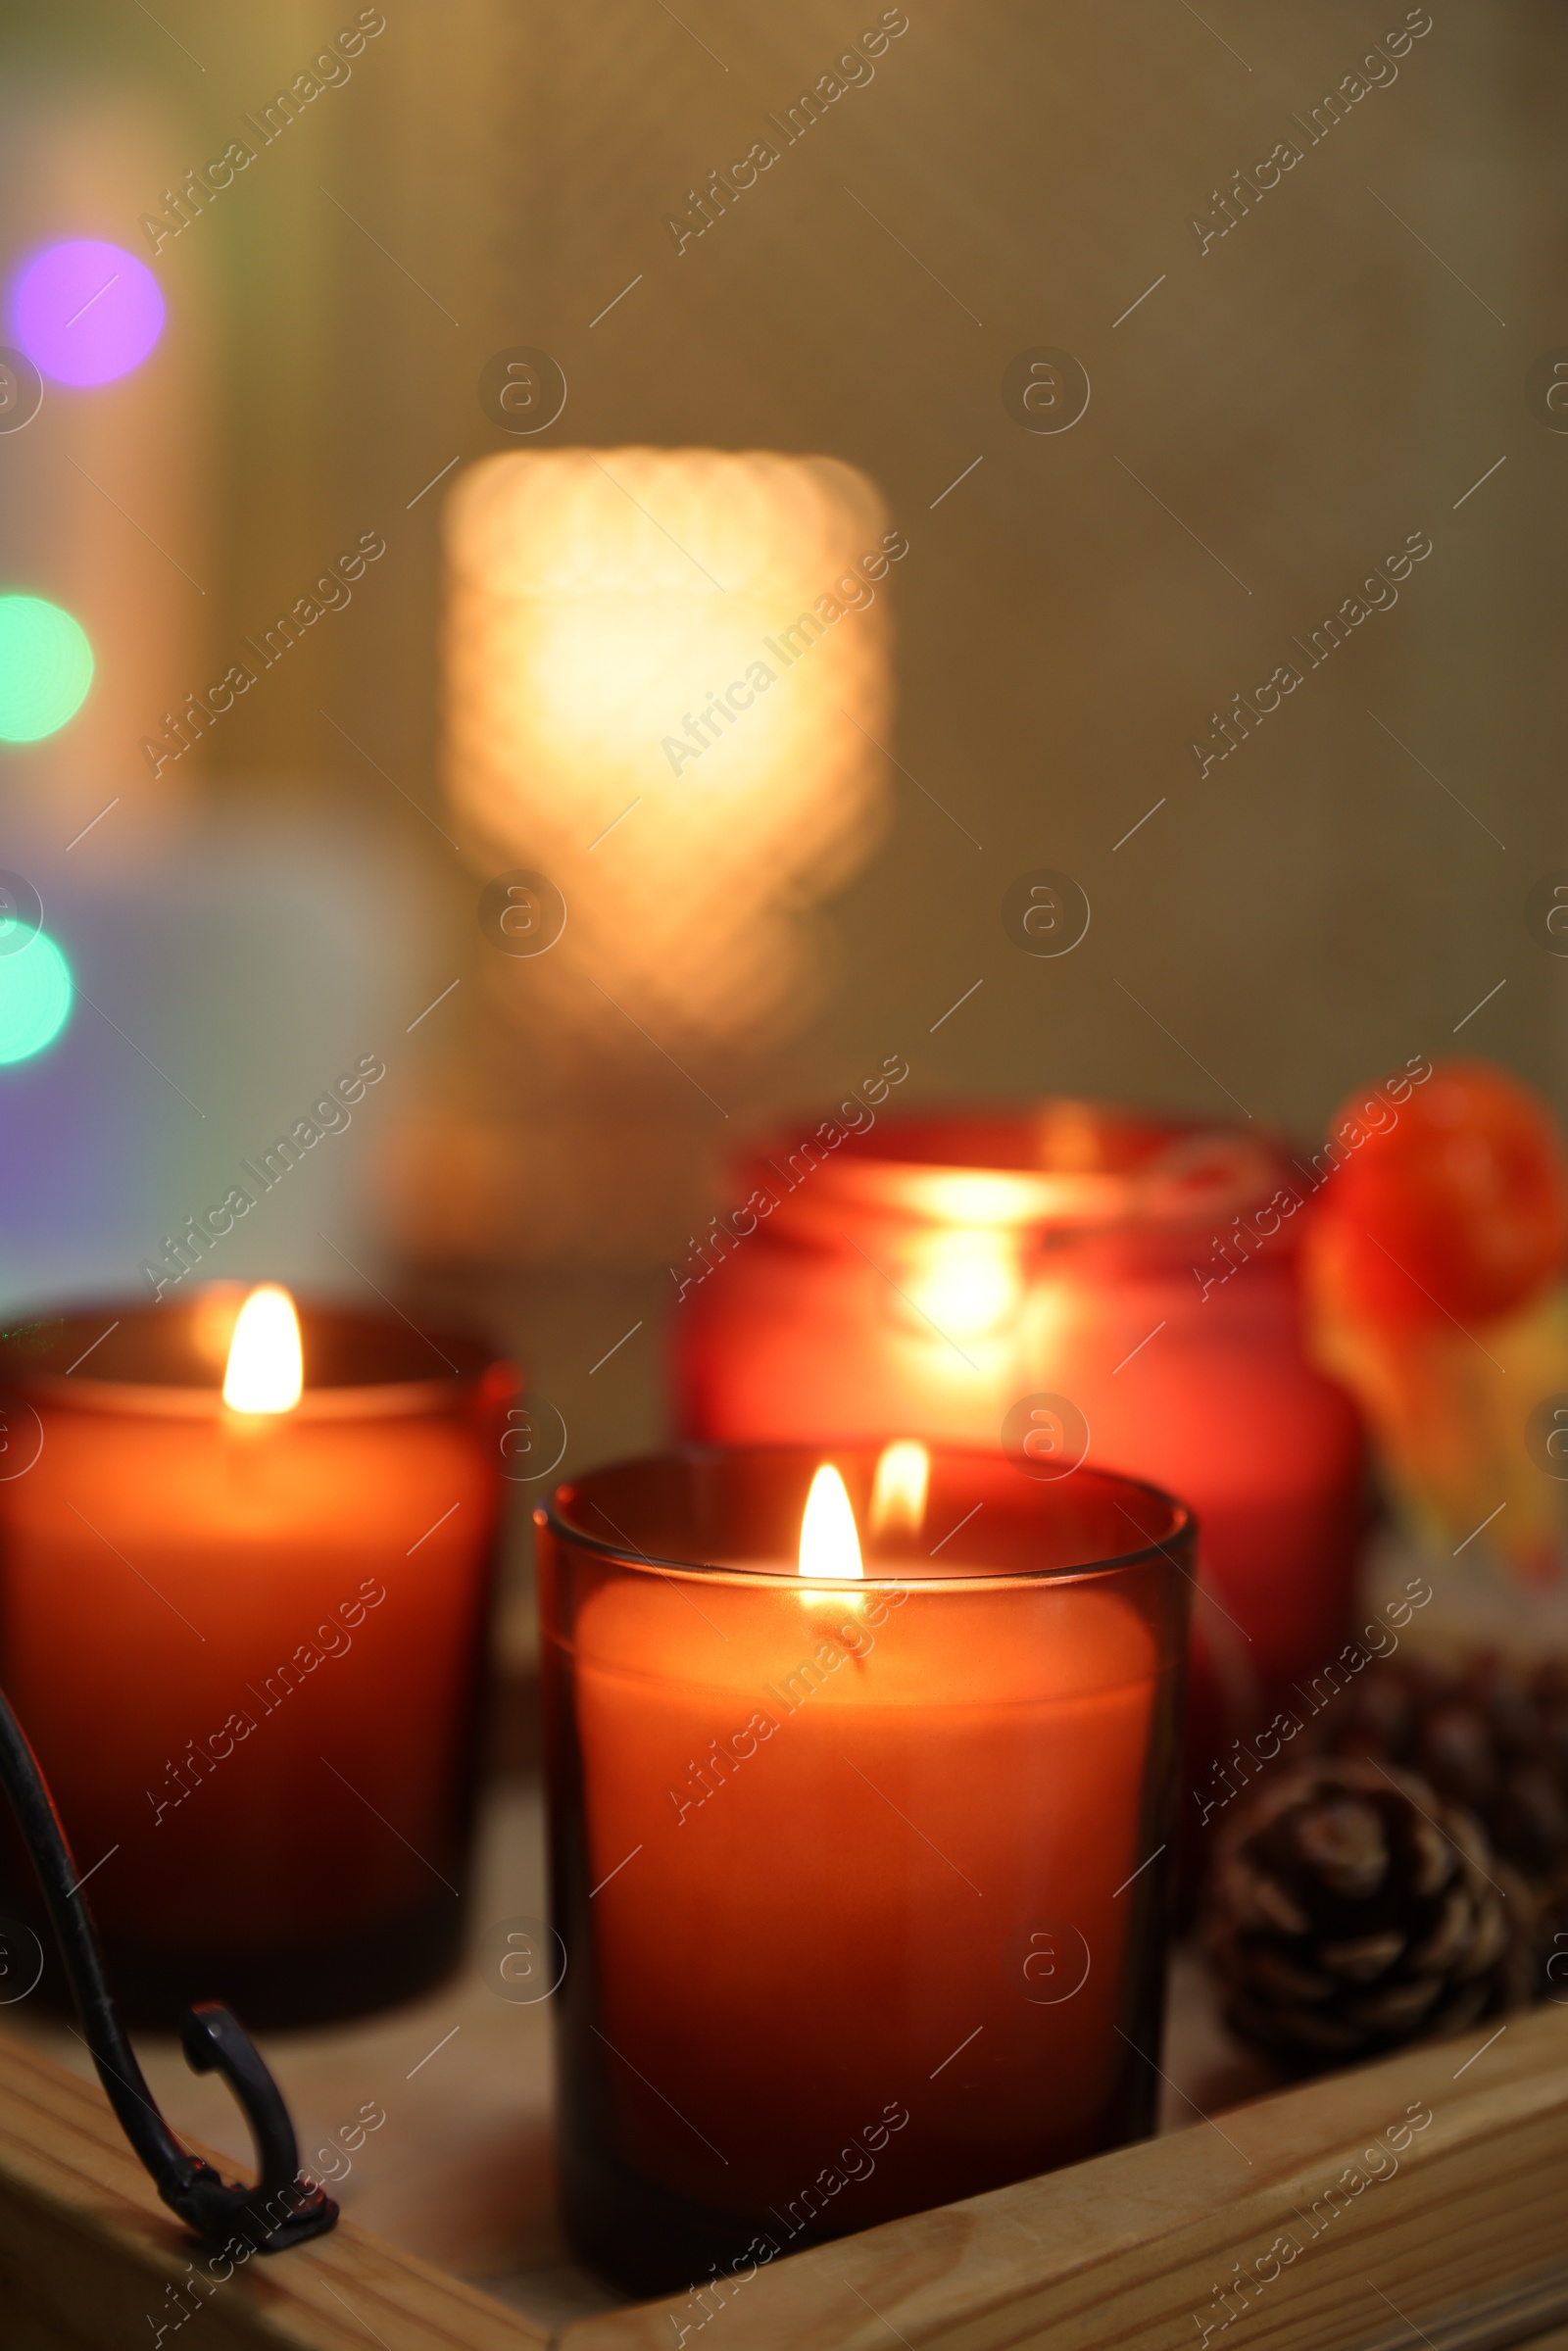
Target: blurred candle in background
(243, 1629)
(937, 1273)
(860, 1865)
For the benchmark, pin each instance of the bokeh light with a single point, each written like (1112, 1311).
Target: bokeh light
(87, 312)
(35, 993)
(596, 602)
(45, 667)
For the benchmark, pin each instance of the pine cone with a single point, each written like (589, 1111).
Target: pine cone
(1490, 1737)
(1352, 1910)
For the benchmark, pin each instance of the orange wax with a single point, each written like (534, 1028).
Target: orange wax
(851, 1860)
(245, 1644)
(847, 1899)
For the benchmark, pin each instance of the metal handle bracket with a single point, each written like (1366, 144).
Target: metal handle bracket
(284, 2208)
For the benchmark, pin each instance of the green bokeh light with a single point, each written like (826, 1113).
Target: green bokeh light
(35, 993)
(45, 667)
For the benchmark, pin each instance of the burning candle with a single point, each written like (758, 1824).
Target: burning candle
(938, 1273)
(242, 1625)
(860, 1863)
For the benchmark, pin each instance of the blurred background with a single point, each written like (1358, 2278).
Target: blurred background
(1288, 380)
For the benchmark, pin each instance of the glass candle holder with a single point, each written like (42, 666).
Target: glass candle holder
(247, 1647)
(935, 1274)
(862, 1878)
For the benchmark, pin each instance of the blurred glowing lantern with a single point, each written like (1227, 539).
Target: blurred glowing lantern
(87, 312)
(45, 667)
(665, 670)
(35, 993)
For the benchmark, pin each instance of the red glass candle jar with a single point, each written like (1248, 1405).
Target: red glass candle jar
(862, 1877)
(247, 1647)
(928, 1275)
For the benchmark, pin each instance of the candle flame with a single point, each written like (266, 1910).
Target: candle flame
(898, 1495)
(830, 1547)
(266, 1372)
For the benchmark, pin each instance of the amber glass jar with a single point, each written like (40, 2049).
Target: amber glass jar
(248, 1648)
(860, 1878)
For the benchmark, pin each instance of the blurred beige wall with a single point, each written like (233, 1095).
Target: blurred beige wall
(1280, 410)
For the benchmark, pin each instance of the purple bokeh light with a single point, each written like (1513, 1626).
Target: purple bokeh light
(87, 312)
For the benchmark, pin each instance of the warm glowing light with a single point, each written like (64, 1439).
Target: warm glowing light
(976, 1196)
(898, 1493)
(266, 1371)
(87, 312)
(666, 680)
(968, 1283)
(45, 667)
(830, 1547)
(214, 1310)
(35, 995)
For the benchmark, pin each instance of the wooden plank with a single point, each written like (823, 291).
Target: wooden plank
(90, 2258)
(1459, 2233)
(25, 2331)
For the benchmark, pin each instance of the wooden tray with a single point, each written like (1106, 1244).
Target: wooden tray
(1462, 2246)
(1460, 2237)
